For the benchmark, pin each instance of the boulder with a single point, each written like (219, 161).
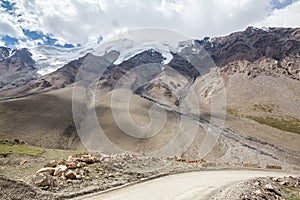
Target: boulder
(70, 174)
(43, 180)
(63, 162)
(81, 164)
(89, 160)
(46, 170)
(271, 188)
(52, 163)
(72, 158)
(105, 159)
(60, 169)
(71, 164)
(257, 192)
(284, 183)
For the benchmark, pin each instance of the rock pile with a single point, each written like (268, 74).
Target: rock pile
(102, 171)
(271, 188)
(76, 169)
(72, 168)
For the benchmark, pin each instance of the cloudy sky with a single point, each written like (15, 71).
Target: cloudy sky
(76, 22)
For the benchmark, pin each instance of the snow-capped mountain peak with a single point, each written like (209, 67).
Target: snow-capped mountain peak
(50, 58)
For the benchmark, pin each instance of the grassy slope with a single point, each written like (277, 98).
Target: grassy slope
(290, 125)
(36, 157)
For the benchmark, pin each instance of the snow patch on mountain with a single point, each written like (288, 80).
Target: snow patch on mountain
(185, 44)
(49, 58)
(137, 50)
(129, 48)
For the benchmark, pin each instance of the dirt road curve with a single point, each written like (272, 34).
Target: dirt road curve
(193, 185)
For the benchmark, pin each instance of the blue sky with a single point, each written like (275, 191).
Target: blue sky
(34, 36)
(280, 5)
(70, 23)
(7, 5)
(42, 38)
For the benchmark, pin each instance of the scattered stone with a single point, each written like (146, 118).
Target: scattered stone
(257, 183)
(275, 179)
(270, 188)
(117, 165)
(257, 192)
(78, 176)
(106, 159)
(171, 158)
(17, 141)
(118, 174)
(284, 183)
(22, 162)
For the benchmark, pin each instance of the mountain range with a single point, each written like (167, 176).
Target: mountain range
(254, 73)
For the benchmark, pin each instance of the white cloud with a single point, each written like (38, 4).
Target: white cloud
(8, 25)
(27, 43)
(7, 29)
(222, 16)
(282, 1)
(80, 21)
(286, 17)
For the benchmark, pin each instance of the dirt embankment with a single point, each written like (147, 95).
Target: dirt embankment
(15, 190)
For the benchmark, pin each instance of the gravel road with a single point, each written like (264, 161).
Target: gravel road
(192, 185)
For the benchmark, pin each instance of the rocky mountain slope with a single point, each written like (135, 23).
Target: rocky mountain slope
(60, 78)
(16, 68)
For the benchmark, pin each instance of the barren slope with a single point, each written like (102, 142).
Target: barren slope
(43, 120)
